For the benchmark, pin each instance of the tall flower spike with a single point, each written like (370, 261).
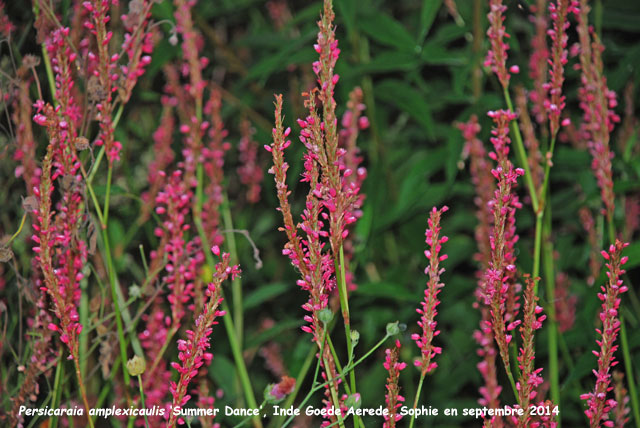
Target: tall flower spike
(534, 155)
(429, 305)
(622, 410)
(250, 169)
(597, 102)
(589, 226)
(530, 377)
(538, 61)
(173, 203)
(330, 202)
(598, 406)
(497, 55)
(484, 185)
(392, 396)
(559, 11)
(499, 276)
(193, 352)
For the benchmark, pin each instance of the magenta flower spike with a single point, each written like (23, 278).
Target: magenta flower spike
(598, 405)
(429, 305)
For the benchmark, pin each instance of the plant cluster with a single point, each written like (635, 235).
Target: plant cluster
(137, 157)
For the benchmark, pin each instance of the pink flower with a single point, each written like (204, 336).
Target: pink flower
(193, 351)
(499, 280)
(428, 310)
(392, 396)
(497, 55)
(598, 406)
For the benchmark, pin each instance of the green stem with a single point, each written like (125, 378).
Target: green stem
(107, 196)
(334, 392)
(116, 303)
(146, 420)
(512, 382)
(57, 388)
(633, 392)
(344, 305)
(611, 229)
(317, 387)
(547, 170)
(47, 64)
(415, 401)
(537, 249)
(552, 343)
(236, 285)
(521, 153)
(15, 235)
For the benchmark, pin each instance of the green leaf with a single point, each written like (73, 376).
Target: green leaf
(633, 252)
(263, 294)
(409, 99)
(383, 62)
(347, 11)
(427, 16)
(290, 54)
(273, 332)
(223, 371)
(387, 31)
(386, 290)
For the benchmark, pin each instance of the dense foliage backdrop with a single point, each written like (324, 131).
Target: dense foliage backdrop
(420, 66)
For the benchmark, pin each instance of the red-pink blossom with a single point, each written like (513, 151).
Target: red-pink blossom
(598, 405)
(429, 305)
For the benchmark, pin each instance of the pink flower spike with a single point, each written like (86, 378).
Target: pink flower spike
(428, 309)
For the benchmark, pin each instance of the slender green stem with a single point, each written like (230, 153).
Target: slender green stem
(415, 401)
(57, 388)
(163, 349)
(317, 387)
(552, 322)
(146, 420)
(15, 235)
(84, 320)
(116, 304)
(107, 196)
(333, 391)
(344, 304)
(537, 249)
(236, 285)
(337, 362)
(547, 170)
(611, 229)
(95, 166)
(521, 153)
(633, 392)
(512, 382)
(47, 63)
